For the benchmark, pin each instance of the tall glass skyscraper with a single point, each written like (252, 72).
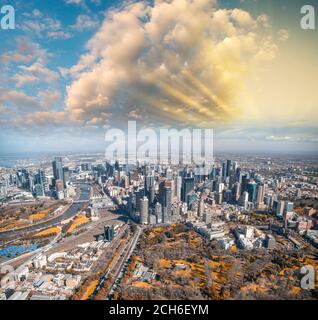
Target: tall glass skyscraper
(57, 168)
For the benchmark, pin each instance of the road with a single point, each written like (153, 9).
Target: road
(129, 246)
(119, 270)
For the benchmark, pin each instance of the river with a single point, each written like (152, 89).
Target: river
(70, 212)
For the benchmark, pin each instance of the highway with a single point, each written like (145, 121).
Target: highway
(120, 259)
(119, 270)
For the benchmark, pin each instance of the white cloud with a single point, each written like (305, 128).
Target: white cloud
(35, 73)
(283, 35)
(74, 1)
(49, 98)
(180, 61)
(25, 103)
(26, 51)
(278, 138)
(85, 22)
(59, 35)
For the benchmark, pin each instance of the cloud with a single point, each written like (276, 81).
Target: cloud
(278, 138)
(49, 98)
(59, 35)
(85, 22)
(26, 51)
(82, 2)
(18, 99)
(44, 118)
(74, 1)
(35, 73)
(283, 35)
(14, 100)
(178, 61)
(41, 25)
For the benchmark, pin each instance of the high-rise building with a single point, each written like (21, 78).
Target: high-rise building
(270, 242)
(169, 173)
(220, 187)
(170, 184)
(280, 208)
(144, 210)
(39, 184)
(109, 233)
(150, 188)
(252, 191)
(166, 205)
(84, 166)
(59, 189)
(260, 194)
(178, 186)
(158, 212)
(139, 194)
(39, 190)
(244, 199)
(289, 207)
(245, 181)
(224, 172)
(236, 191)
(228, 167)
(117, 165)
(187, 188)
(58, 169)
(66, 175)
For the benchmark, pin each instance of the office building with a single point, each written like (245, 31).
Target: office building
(144, 210)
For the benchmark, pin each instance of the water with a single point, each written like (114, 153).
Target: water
(13, 251)
(85, 192)
(7, 164)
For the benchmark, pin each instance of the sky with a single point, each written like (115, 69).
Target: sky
(73, 69)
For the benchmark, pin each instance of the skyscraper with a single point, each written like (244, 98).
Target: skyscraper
(150, 188)
(144, 210)
(228, 167)
(251, 189)
(109, 233)
(224, 172)
(166, 206)
(158, 212)
(140, 193)
(57, 168)
(187, 187)
(236, 191)
(260, 194)
(177, 189)
(280, 208)
(66, 176)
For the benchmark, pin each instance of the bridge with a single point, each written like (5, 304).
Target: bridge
(81, 201)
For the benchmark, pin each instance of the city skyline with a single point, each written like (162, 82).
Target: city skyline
(244, 68)
(80, 227)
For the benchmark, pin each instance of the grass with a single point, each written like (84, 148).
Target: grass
(164, 263)
(79, 220)
(39, 215)
(53, 230)
(142, 284)
(89, 290)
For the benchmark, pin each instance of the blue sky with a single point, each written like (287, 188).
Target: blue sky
(74, 68)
